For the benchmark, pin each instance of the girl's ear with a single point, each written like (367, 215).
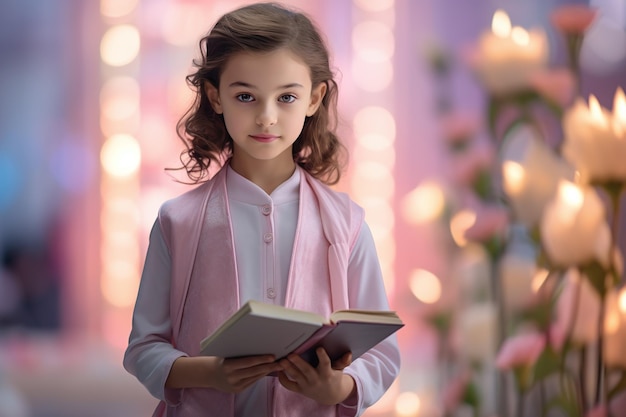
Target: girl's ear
(317, 95)
(214, 97)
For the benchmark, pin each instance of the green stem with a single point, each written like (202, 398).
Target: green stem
(502, 404)
(574, 43)
(614, 191)
(601, 370)
(582, 377)
(520, 404)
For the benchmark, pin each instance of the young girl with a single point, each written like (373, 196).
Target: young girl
(266, 226)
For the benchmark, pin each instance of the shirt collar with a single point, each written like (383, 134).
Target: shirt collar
(243, 190)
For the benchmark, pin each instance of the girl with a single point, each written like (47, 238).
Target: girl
(265, 226)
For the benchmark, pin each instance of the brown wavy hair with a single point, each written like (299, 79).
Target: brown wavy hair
(261, 27)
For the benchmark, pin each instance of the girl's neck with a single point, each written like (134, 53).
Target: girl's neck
(266, 174)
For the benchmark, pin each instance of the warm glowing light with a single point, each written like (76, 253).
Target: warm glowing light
(520, 36)
(370, 178)
(570, 199)
(375, 141)
(379, 215)
(119, 98)
(612, 321)
(501, 24)
(120, 155)
(459, 224)
(373, 41)
(120, 45)
(374, 5)
(374, 120)
(372, 76)
(595, 110)
(120, 215)
(117, 8)
(119, 283)
(386, 248)
(425, 286)
(183, 21)
(571, 195)
(621, 301)
(619, 107)
(408, 404)
(119, 243)
(373, 172)
(538, 279)
(385, 156)
(514, 177)
(424, 204)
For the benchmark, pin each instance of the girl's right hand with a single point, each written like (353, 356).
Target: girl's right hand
(237, 374)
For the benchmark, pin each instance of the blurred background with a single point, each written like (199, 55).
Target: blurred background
(90, 93)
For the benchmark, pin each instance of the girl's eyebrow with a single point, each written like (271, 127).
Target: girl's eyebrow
(280, 87)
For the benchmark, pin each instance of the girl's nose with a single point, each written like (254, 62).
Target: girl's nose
(267, 116)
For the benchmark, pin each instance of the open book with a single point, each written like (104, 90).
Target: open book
(258, 328)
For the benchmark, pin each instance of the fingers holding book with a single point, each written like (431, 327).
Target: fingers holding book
(342, 362)
(236, 374)
(326, 384)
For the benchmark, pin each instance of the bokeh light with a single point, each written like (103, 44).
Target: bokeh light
(119, 98)
(425, 286)
(408, 404)
(120, 155)
(375, 120)
(374, 5)
(373, 41)
(425, 203)
(460, 223)
(120, 45)
(117, 8)
(372, 76)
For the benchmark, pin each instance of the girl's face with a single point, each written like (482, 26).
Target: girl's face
(265, 98)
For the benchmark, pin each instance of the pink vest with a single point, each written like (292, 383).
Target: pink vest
(197, 229)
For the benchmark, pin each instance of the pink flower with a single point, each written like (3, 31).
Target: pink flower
(577, 312)
(468, 165)
(556, 85)
(457, 127)
(597, 411)
(491, 220)
(573, 18)
(453, 393)
(521, 350)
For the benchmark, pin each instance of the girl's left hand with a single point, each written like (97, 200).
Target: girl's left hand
(326, 384)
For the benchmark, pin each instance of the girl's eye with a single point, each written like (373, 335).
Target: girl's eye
(287, 98)
(246, 98)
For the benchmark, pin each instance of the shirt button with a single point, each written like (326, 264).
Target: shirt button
(267, 238)
(266, 210)
(271, 293)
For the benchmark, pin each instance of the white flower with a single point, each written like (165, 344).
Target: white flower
(506, 57)
(595, 139)
(531, 173)
(574, 230)
(615, 329)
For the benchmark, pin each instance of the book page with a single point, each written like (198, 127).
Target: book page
(371, 316)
